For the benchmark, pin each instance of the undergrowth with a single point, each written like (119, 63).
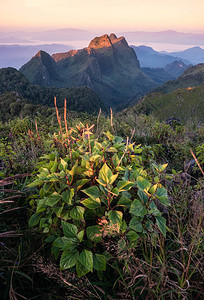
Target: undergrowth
(102, 205)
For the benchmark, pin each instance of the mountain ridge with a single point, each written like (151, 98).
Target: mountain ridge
(108, 65)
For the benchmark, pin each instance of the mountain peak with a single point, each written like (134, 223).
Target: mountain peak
(100, 42)
(106, 41)
(41, 54)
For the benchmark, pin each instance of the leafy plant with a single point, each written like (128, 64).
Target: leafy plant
(99, 189)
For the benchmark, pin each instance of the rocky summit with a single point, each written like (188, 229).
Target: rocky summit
(108, 65)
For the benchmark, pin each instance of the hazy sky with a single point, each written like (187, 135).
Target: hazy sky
(120, 15)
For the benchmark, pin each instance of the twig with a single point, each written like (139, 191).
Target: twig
(98, 121)
(58, 117)
(197, 161)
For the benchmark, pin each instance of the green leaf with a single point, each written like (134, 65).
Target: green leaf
(91, 204)
(69, 259)
(58, 243)
(162, 196)
(132, 236)
(34, 220)
(68, 195)
(81, 182)
(81, 270)
(143, 184)
(54, 167)
(99, 262)
(137, 209)
(94, 233)
(154, 210)
(93, 192)
(53, 199)
(143, 196)
(69, 230)
(73, 170)
(161, 223)
(77, 213)
(136, 225)
(64, 164)
(124, 185)
(124, 201)
(105, 175)
(69, 243)
(86, 259)
(80, 235)
(115, 216)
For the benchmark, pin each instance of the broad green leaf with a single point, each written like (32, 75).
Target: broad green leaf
(143, 184)
(154, 210)
(69, 259)
(54, 167)
(115, 192)
(136, 225)
(73, 170)
(41, 206)
(113, 178)
(132, 236)
(143, 196)
(137, 209)
(35, 183)
(99, 262)
(94, 157)
(77, 213)
(91, 204)
(81, 182)
(124, 185)
(81, 270)
(162, 196)
(53, 199)
(68, 195)
(93, 192)
(124, 201)
(69, 243)
(153, 189)
(34, 220)
(80, 235)
(94, 233)
(86, 259)
(58, 210)
(115, 216)
(109, 135)
(69, 229)
(64, 164)
(161, 223)
(105, 174)
(58, 243)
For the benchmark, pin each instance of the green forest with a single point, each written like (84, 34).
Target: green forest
(99, 206)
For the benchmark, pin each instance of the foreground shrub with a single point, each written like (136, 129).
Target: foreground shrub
(98, 190)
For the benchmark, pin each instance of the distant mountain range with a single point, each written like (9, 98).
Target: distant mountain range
(169, 72)
(74, 34)
(195, 55)
(149, 58)
(108, 65)
(167, 36)
(17, 55)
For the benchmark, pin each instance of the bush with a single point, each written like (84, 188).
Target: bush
(100, 189)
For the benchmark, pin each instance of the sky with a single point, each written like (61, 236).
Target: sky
(100, 15)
